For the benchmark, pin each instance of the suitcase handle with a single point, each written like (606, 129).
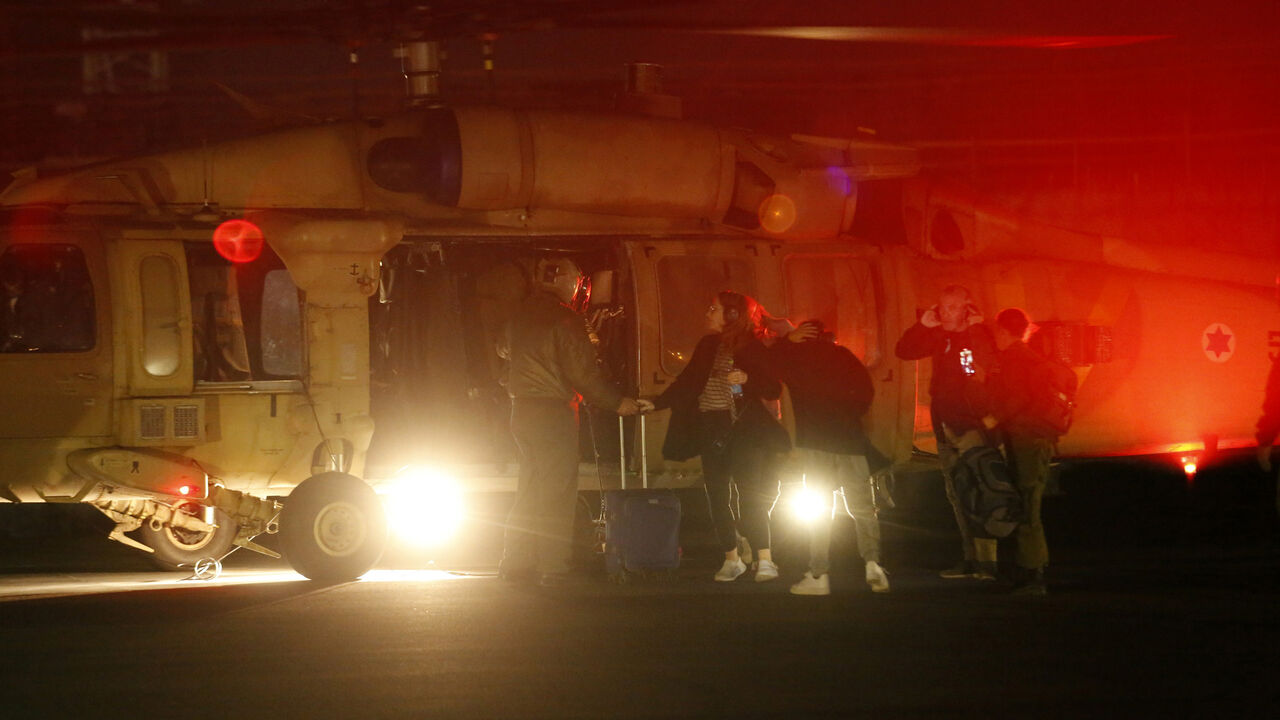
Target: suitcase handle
(622, 453)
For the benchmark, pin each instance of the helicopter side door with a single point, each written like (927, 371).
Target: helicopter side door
(55, 348)
(675, 281)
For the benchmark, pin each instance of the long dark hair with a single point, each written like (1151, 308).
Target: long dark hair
(745, 324)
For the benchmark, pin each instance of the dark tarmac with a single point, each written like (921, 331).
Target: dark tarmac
(1183, 622)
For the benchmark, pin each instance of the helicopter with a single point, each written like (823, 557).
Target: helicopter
(254, 335)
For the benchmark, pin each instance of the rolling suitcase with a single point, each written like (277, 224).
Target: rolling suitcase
(641, 526)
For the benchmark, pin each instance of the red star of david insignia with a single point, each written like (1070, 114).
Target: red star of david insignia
(1218, 342)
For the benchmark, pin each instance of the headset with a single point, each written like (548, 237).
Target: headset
(731, 313)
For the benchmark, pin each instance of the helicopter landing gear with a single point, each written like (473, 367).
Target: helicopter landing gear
(333, 527)
(179, 547)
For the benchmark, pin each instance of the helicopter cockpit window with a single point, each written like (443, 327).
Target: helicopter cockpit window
(281, 326)
(47, 300)
(686, 286)
(840, 292)
(246, 317)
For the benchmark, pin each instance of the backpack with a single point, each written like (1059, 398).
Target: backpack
(986, 492)
(1054, 404)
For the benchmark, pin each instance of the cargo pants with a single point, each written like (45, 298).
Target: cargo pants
(539, 531)
(1029, 458)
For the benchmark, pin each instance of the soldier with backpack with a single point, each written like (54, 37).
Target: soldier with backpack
(1030, 407)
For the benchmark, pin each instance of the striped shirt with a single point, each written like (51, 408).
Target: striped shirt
(716, 394)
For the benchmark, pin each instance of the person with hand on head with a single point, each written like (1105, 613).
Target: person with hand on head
(550, 362)
(830, 392)
(961, 347)
(718, 413)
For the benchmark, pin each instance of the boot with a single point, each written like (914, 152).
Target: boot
(984, 551)
(1030, 583)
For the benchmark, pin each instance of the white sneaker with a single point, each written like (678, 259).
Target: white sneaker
(766, 570)
(809, 585)
(731, 570)
(877, 578)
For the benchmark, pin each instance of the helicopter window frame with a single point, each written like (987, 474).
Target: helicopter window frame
(228, 304)
(73, 326)
(678, 316)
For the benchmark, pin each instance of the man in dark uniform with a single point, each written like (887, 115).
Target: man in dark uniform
(550, 361)
(952, 333)
(1028, 442)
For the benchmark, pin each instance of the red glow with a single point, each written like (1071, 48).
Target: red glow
(184, 490)
(239, 241)
(1189, 467)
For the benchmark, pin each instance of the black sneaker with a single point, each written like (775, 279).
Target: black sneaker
(1030, 583)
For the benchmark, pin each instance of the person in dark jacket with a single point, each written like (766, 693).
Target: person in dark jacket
(550, 361)
(1269, 424)
(952, 334)
(1013, 387)
(737, 438)
(830, 392)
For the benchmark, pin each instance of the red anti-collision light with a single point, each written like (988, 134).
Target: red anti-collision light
(184, 490)
(239, 241)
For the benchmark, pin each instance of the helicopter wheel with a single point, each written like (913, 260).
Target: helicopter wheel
(181, 548)
(333, 528)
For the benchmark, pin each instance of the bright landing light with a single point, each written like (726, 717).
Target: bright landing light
(809, 505)
(424, 507)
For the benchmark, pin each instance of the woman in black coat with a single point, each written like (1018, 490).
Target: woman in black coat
(718, 413)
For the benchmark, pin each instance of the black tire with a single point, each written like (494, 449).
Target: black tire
(179, 548)
(333, 528)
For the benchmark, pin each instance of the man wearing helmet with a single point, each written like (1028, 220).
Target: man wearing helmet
(551, 361)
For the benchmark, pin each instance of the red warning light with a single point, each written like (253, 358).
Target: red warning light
(1189, 467)
(184, 490)
(239, 241)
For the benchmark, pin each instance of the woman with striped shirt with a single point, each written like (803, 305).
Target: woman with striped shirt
(718, 412)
